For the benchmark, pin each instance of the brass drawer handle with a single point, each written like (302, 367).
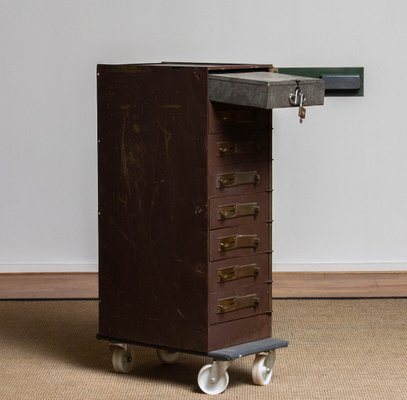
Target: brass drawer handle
(238, 242)
(237, 272)
(238, 178)
(236, 148)
(237, 117)
(237, 303)
(238, 210)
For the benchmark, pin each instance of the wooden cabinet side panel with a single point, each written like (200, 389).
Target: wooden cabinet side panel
(152, 126)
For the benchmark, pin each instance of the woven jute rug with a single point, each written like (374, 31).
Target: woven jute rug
(339, 349)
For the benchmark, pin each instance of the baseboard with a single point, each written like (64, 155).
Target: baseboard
(11, 268)
(285, 285)
(386, 266)
(339, 284)
(277, 267)
(49, 286)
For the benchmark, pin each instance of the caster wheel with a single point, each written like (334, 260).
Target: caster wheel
(261, 373)
(122, 360)
(209, 387)
(167, 357)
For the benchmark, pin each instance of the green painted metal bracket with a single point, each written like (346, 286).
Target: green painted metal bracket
(340, 81)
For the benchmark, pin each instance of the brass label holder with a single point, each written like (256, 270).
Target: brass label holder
(237, 272)
(229, 211)
(237, 303)
(237, 179)
(241, 117)
(236, 148)
(238, 242)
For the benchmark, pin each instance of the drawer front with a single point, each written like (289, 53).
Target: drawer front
(238, 272)
(228, 117)
(239, 331)
(238, 179)
(238, 210)
(238, 241)
(246, 301)
(237, 147)
(265, 90)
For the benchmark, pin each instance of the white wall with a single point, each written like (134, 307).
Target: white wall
(340, 178)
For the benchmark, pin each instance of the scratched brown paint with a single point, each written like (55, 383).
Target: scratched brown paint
(154, 229)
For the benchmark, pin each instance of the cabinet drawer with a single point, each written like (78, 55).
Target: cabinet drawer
(238, 241)
(239, 331)
(266, 90)
(238, 272)
(246, 301)
(238, 210)
(228, 118)
(237, 147)
(238, 179)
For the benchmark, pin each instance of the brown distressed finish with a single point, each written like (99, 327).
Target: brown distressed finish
(259, 291)
(226, 118)
(260, 230)
(215, 66)
(152, 202)
(254, 186)
(154, 188)
(239, 331)
(242, 147)
(260, 261)
(216, 204)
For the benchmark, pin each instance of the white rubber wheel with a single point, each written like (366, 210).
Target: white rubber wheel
(260, 373)
(209, 387)
(167, 356)
(122, 360)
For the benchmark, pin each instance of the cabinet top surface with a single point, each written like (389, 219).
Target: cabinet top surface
(209, 66)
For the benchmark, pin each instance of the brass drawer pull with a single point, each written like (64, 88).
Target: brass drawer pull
(238, 242)
(238, 210)
(237, 178)
(237, 272)
(235, 148)
(237, 303)
(240, 117)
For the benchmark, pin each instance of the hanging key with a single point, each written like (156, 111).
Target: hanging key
(298, 99)
(294, 98)
(301, 110)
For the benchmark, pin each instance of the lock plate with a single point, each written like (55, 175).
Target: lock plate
(238, 242)
(229, 211)
(237, 178)
(235, 148)
(237, 303)
(237, 272)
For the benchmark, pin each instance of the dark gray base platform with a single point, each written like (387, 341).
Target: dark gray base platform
(225, 354)
(247, 349)
(212, 378)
